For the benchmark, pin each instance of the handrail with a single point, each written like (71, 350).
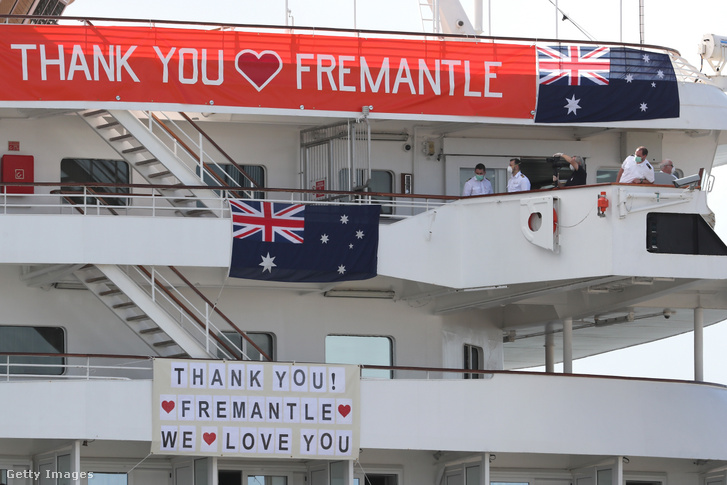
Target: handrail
(217, 310)
(224, 153)
(444, 370)
(189, 151)
(319, 29)
(232, 353)
(186, 310)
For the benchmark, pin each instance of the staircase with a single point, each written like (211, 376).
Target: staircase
(141, 313)
(144, 300)
(152, 159)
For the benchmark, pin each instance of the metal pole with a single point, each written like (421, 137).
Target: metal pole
(621, 20)
(641, 21)
(549, 349)
(557, 17)
(478, 16)
(699, 344)
(568, 346)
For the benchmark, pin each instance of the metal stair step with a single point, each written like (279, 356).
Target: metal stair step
(110, 124)
(95, 112)
(96, 279)
(138, 318)
(134, 149)
(127, 304)
(179, 356)
(163, 173)
(146, 162)
(165, 343)
(149, 331)
(113, 291)
(125, 136)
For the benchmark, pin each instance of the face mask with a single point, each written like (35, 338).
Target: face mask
(479, 177)
(638, 159)
(509, 169)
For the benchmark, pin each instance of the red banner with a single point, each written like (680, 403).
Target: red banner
(267, 70)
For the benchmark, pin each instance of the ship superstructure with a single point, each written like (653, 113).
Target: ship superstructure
(143, 165)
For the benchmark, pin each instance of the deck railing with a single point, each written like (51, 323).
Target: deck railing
(25, 366)
(145, 200)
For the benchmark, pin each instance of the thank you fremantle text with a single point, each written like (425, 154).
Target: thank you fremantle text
(220, 408)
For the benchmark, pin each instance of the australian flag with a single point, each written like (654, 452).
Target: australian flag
(304, 243)
(592, 83)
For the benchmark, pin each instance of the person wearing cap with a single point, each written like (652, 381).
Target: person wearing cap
(578, 176)
(636, 169)
(518, 182)
(477, 185)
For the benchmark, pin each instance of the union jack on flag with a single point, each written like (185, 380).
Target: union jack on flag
(268, 221)
(577, 64)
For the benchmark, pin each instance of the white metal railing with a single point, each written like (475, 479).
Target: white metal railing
(193, 151)
(28, 366)
(79, 200)
(197, 322)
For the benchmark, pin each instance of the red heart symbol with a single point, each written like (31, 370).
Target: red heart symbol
(344, 410)
(209, 438)
(168, 406)
(260, 68)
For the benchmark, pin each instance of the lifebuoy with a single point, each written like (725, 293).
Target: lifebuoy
(535, 219)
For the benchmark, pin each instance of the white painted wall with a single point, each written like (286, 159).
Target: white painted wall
(508, 413)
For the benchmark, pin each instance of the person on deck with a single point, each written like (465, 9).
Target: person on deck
(519, 182)
(636, 169)
(578, 176)
(667, 166)
(477, 185)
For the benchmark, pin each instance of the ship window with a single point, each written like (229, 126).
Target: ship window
(91, 170)
(382, 181)
(104, 478)
(606, 175)
(377, 479)
(63, 467)
(229, 477)
(266, 480)
(32, 340)
(266, 342)
(201, 468)
(472, 360)
(681, 234)
(230, 175)
(361, 350)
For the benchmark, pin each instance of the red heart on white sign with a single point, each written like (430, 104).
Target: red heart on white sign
(168, 406)
(344, 410)
(258, 68)
(209, 438)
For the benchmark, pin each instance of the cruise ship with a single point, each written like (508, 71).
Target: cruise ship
(241, 254)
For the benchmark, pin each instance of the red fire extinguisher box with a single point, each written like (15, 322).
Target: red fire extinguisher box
(18, 168)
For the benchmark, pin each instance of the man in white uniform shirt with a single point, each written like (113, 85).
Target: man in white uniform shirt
(518, 182)
(477, 185)
(636, 169)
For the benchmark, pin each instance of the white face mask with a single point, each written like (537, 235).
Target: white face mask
(509, 170)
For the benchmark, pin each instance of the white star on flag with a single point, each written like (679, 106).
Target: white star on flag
(359, 234)
(573, 105)
(643, 107)
(267, 263)
(646, 58)
(341, 269)
(324, 239)
(344, 219)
